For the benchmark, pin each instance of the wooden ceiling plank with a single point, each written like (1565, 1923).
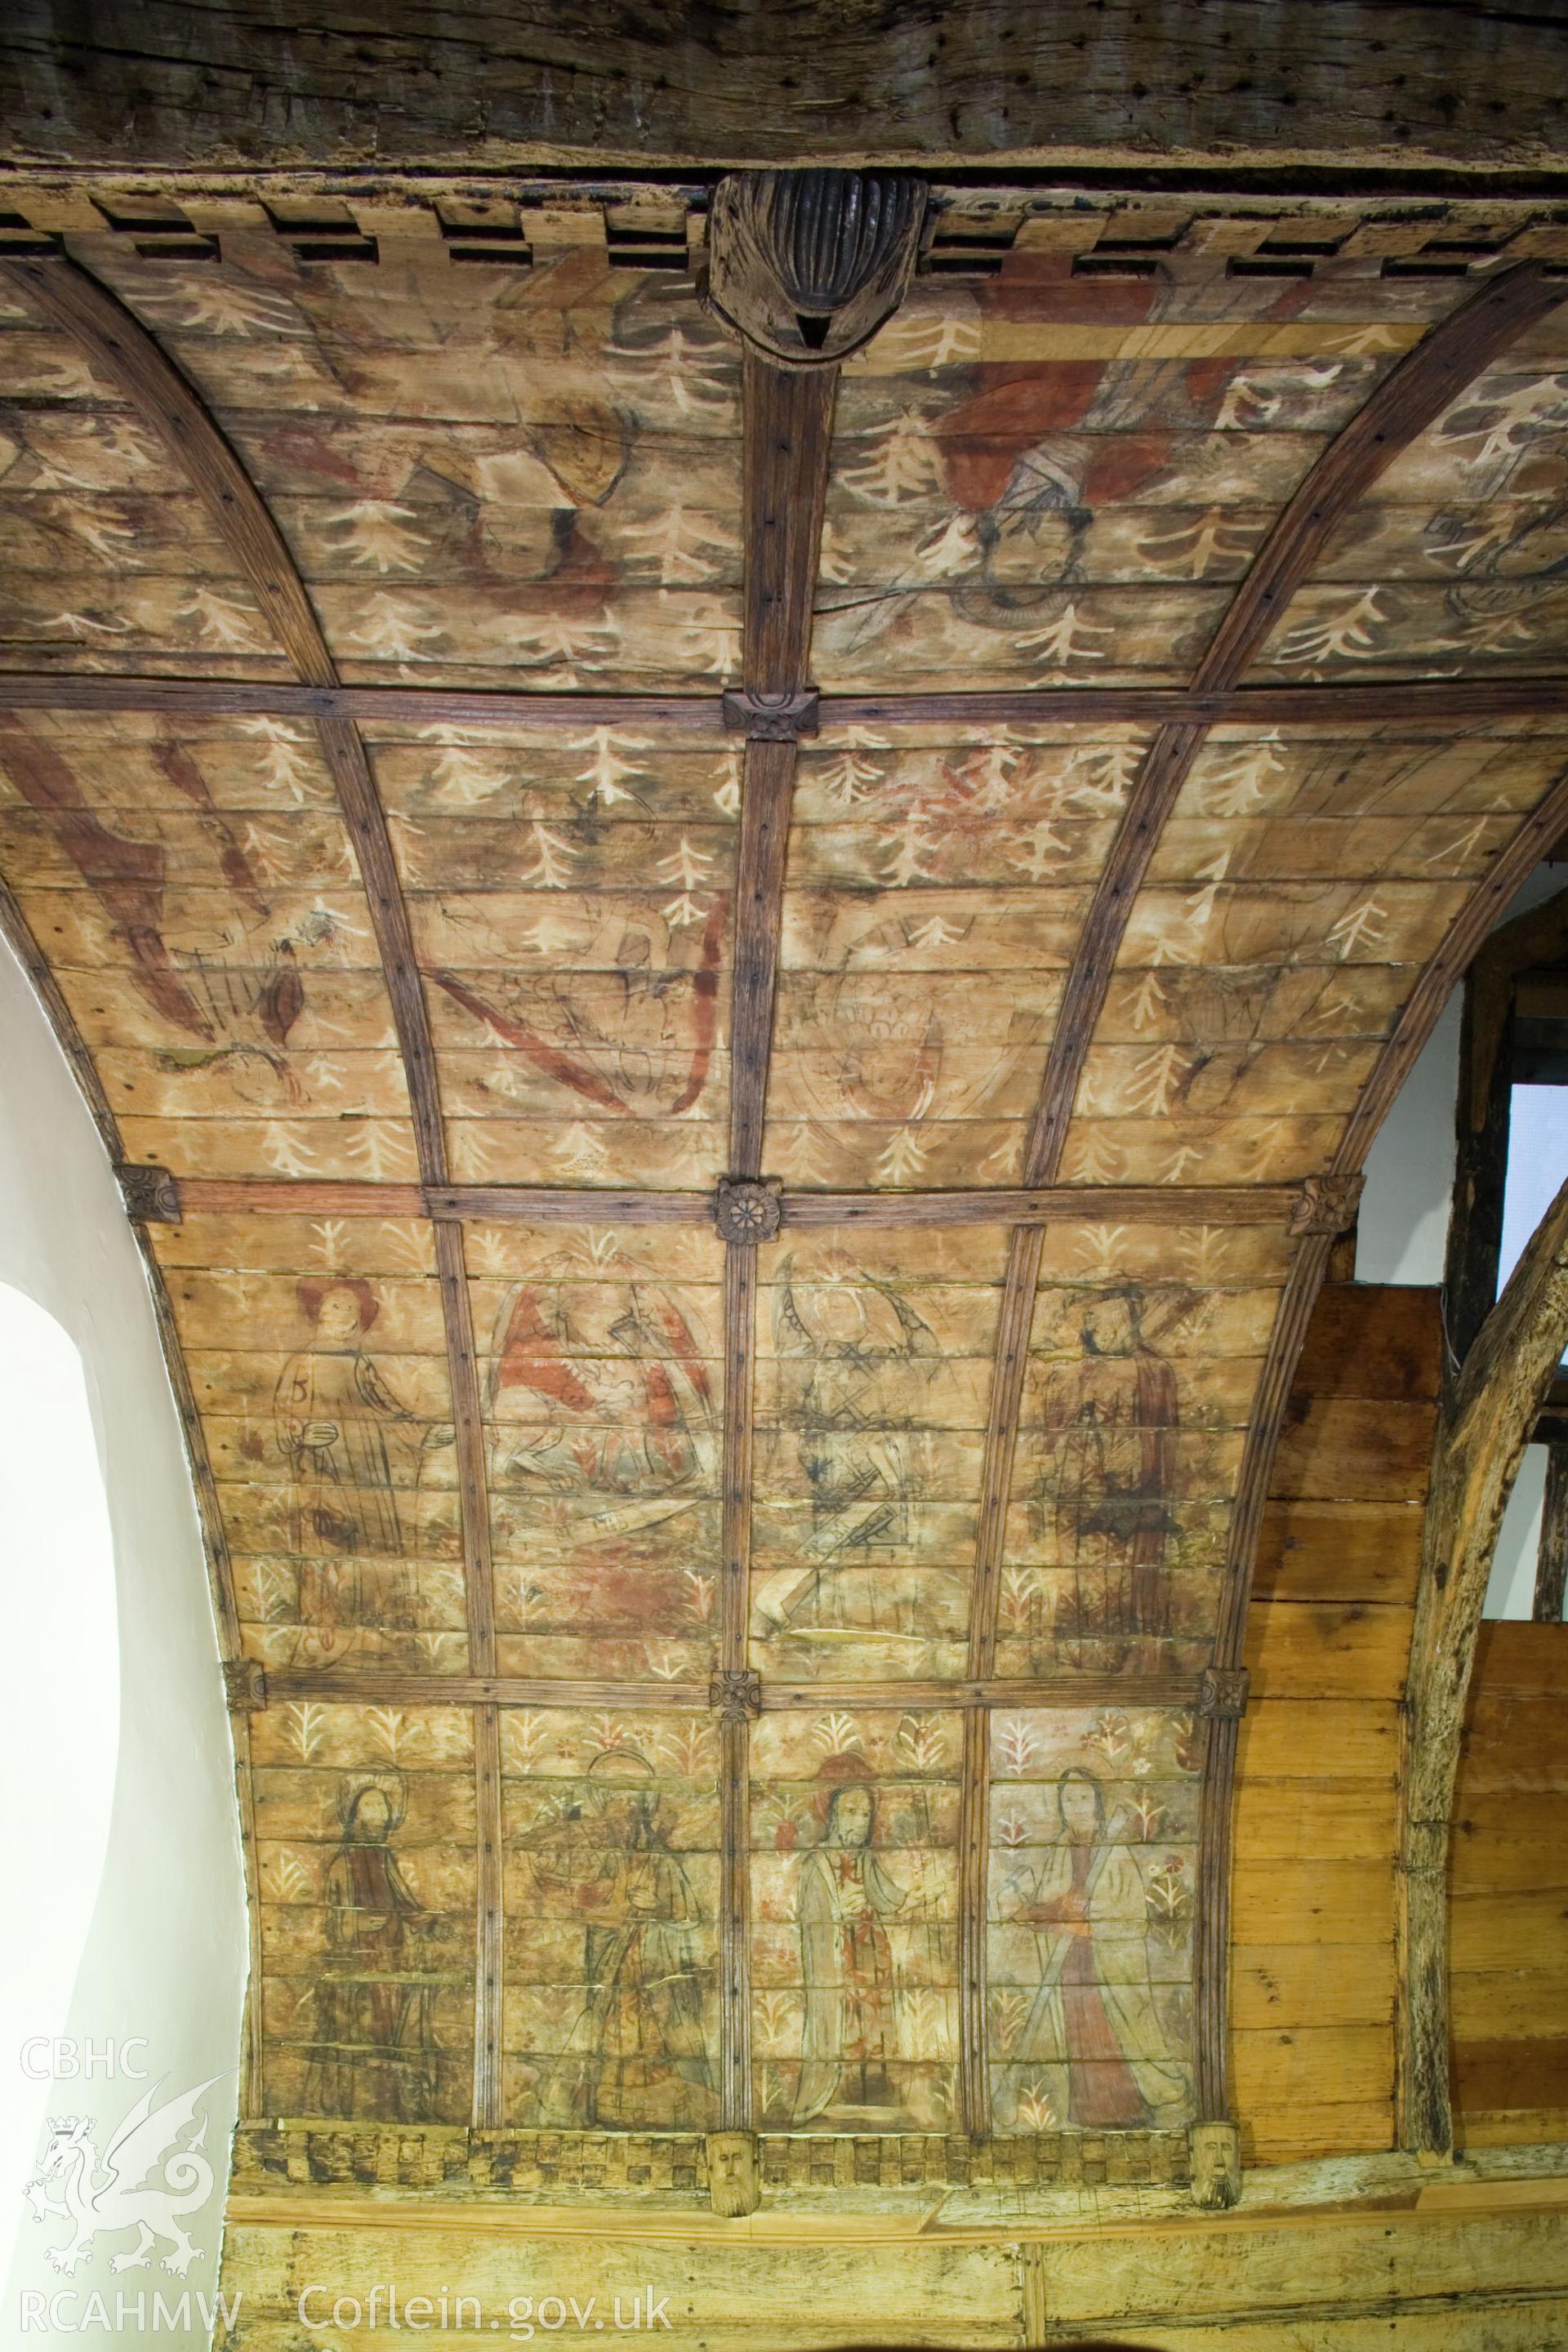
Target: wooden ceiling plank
(124, 351)
(1415, 393)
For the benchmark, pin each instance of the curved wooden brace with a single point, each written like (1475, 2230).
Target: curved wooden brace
(1482, 1432)
(122, 350)
(1409, 399)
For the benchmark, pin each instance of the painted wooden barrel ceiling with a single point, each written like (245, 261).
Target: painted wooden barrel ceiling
(741, 905)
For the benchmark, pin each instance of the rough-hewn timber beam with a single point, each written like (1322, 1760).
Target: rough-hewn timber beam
(1482, 1431)
(122, 350)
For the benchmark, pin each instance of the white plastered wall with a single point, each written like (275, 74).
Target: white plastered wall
(159, 1888)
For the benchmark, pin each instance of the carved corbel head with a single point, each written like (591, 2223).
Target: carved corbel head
(731, 2157)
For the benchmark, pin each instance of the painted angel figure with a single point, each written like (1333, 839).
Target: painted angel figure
(1094, 2031)
(572, 1418)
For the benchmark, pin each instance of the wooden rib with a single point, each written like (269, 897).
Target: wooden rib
(1211, 1933)
(1169, 1205)
(974, 1904)
(1410, 397)
(788, 428)
(734, 1925)
(478, 1586)
(739, 1370)
(366, 821)
(1330, 701)
(734, 1736)
(1011, 1362)
(490, 1929)
(19, 934)
(398, 1686)
(1218, 1204)
(121, 347)
(1211, 1941)
(766, 792)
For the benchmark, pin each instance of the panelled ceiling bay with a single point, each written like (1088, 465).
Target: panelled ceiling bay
(740, 912)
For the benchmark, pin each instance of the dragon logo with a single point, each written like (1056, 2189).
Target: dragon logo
(105, 2195)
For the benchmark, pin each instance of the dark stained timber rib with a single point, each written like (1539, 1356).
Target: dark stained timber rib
(1169, 1205)
(1332, 702)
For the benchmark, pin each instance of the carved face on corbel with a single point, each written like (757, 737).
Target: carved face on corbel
(732, 2173)
(805, 266)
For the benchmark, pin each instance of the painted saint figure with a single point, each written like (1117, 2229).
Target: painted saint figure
(356, 1453)
(375, 2053)
(844, 1903)
(635, 2055)
(1094, 2031)
(1103, 1490)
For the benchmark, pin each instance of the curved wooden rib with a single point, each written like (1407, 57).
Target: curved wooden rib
(122, 349)
(1408, 400)
(1482, 1433)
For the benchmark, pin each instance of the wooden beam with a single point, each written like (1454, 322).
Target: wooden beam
(1349, 702)
(1483, 1428)
(767, 790)
(1159, 1204)
(121, 347)
(372, 1685)
(418, 705)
